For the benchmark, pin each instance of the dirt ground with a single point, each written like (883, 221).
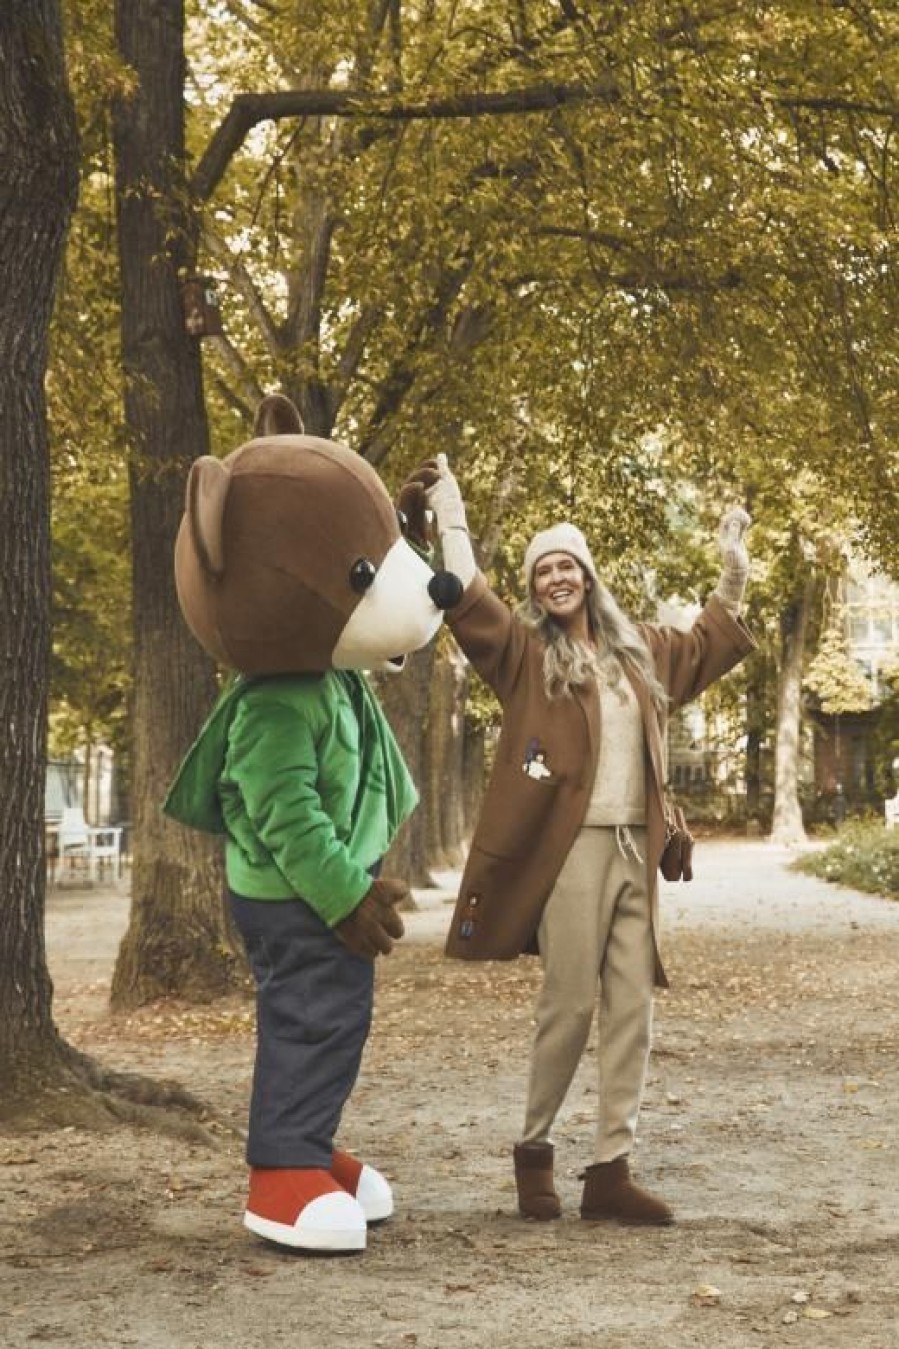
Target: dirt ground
(770, 1124)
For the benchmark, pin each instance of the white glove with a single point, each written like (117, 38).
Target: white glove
(734, 558)
(445, 500)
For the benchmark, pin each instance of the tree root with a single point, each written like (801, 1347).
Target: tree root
(77, 1091)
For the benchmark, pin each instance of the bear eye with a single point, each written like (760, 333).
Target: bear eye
(403, 522)
(362, 575)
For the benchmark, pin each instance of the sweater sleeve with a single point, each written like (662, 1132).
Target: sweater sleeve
(272, 760)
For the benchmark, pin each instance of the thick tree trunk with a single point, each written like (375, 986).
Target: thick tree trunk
(443, 806)
(452, 799)
(787, 827)
(179, 940)
(39, 158)
(404, 698)
(438, 731)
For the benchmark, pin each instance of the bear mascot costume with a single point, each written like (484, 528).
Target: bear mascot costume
(292, 570)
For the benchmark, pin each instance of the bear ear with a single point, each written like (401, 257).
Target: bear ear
(207, 490)
(277, 416)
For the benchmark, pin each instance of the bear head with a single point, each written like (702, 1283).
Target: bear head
(290, 558)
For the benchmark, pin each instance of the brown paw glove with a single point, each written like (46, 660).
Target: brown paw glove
(373, 925)
(413, 503)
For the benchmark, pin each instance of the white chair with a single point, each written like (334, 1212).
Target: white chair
(891, 811)
(74, 845)
(86, 852)
(105, 850)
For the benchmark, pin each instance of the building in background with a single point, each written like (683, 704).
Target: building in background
(853, 758)
(87, 779)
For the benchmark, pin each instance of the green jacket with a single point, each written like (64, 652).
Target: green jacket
(303, 776)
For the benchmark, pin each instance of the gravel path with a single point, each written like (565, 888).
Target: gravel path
(771, 1123)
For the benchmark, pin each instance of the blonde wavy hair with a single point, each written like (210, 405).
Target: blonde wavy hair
(568, 663)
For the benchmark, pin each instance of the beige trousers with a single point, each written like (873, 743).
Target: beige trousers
(595, 936)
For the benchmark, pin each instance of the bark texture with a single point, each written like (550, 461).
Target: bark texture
(39, 158)
(787, 826)
(445, 824)
(405, 699)
(179, 940)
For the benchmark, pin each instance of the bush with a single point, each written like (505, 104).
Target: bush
(864, 856)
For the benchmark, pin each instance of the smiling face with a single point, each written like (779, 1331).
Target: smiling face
(560, 588)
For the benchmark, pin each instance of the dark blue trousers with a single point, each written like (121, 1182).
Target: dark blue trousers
(313, 1015)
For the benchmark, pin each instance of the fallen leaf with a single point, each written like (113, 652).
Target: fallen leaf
(706, 1295)
(816, 1314)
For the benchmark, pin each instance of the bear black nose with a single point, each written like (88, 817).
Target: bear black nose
(445, 589)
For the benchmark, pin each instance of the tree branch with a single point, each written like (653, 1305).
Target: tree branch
(248, 110)
(244, 283)
(248, 393)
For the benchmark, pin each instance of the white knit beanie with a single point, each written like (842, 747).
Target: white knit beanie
(564, 538)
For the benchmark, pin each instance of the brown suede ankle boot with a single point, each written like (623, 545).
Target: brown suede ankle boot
(609, 1192)
(537, 1196)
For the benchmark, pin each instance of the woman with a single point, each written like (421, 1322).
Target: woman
(565, 854)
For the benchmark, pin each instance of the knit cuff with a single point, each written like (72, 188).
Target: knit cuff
(731, 588)
(458, 554)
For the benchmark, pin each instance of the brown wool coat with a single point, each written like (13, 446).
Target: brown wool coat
(528, 824)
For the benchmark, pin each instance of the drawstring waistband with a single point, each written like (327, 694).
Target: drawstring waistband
(626, 845)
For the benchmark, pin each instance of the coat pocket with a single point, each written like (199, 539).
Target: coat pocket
(514, 812)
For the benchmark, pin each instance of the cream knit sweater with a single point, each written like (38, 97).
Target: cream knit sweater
(619, 789)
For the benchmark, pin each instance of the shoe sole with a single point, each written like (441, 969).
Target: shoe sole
(626, 1222)
(335, 1240)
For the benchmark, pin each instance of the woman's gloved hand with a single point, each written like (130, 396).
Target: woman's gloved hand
(445, 498)
(734, 557)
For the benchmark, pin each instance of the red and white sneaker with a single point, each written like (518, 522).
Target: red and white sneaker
(304, 1207)
(365, 1184)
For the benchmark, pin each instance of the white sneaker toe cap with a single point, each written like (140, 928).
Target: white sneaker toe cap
(375, 1195)
(332, 1222)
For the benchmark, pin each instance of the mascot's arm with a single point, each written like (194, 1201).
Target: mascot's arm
(372, 927)
(273, 762)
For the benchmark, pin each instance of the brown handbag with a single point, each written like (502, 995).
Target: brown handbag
(676, 862)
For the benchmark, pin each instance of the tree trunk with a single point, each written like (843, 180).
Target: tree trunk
(452, 799)
(756, 728)
(787, 827)
(404, 698)
(438, 730)
(179, 940)
(444, 822)
(39, 155)
(474, 775)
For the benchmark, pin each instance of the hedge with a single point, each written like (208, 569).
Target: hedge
(864, 856)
